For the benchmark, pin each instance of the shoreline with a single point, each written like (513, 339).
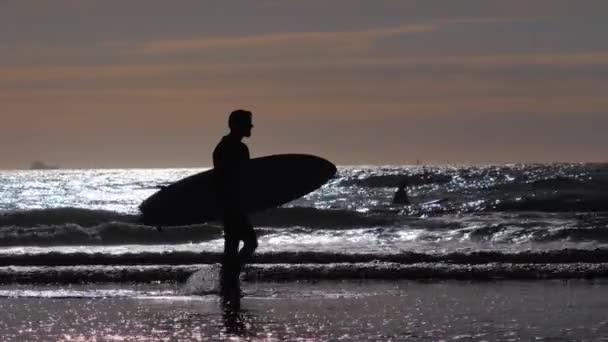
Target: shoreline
(324, 310)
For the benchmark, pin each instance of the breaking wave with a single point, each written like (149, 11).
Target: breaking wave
(112, 233)
(598, 255)
(97, 228)
(62, 216)
(74, 226)
(283, 272)
(320, 218)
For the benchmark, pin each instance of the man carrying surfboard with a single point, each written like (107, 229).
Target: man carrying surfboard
(229, 154)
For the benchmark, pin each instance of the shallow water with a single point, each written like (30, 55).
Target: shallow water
(363, 310)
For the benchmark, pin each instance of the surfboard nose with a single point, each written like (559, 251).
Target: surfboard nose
(329, 167)
(323, 168)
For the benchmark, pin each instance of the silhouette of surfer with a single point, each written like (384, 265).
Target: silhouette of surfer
(401, 193)
(228, 156)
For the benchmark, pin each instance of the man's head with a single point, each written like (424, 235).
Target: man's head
(240, 123)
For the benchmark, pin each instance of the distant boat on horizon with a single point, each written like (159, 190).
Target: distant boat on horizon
(38, 165)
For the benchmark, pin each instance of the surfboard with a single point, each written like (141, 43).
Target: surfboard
(263, 183)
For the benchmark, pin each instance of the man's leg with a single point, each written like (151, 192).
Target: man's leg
(250, 242)
(229, 274)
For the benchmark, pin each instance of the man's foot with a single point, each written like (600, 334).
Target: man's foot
(231, 299)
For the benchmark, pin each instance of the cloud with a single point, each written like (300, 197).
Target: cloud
(357, 38)
(557, 59)
(563, 60)
(268, 40)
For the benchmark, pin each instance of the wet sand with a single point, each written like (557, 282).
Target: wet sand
(553, 310)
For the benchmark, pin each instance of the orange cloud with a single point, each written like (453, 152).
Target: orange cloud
(558, 59)
(361, 39)
(176, 70)
(352, 38)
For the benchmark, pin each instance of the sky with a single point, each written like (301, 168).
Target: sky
(149, 83)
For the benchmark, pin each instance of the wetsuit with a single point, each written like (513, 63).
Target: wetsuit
(229, 154)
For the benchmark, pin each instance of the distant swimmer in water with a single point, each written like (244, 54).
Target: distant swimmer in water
(401, 194)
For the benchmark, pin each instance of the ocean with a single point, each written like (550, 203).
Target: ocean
(496, 221)
(63, 230)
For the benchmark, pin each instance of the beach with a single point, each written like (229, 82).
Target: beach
(388, 170)
(552, 310)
